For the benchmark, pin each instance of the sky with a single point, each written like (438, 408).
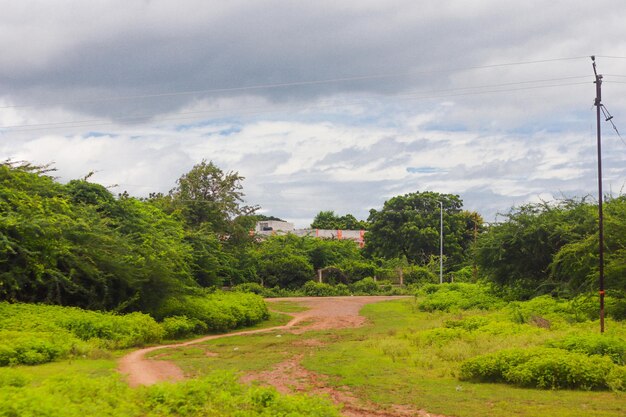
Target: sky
(322, 106)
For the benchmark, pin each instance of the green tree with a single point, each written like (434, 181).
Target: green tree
(409, 226)
(330, 221)
(539, 248)
(206, 194)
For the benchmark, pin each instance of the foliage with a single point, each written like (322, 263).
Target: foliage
(552, 248)
(457, 296)
(77, 245)
(415, 274)
(206, 194)
(219, 311)
(409, 226)
(541, 368)
(365, 286)
(32, 334)
(330, 221)
(319, 289)
(218, 394)
(594, 344)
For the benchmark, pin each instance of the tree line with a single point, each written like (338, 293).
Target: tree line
(79, 244)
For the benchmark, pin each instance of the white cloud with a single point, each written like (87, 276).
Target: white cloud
(420, 119)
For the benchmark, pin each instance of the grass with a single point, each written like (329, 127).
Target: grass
(404, 356)
(411, 357)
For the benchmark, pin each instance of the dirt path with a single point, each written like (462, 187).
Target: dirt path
(288, 376)
(323, 313)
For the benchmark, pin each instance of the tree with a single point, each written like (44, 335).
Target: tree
(409, 226)
(330, 221)
(206, 194)
(540, 248)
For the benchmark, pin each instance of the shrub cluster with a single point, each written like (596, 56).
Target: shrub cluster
(546, 368)
(366, 286)
(457, 296)
(594, 344)
(33, 333)
(215, 312)
(216, 395)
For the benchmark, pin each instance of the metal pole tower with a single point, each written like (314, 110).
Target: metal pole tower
(598, 104)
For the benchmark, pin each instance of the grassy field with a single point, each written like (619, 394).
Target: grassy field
(88, 386)
(404, 355)
(412, 357)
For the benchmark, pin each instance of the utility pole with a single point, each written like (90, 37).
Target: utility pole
(598, 104)
(475, 269)
(441, 242)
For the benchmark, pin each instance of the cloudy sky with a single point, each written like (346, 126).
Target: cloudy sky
(332, 105)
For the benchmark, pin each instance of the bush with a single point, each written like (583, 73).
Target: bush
(594, 344)
(176, 327)
(219, 311)
(366, 286)
(318, 289)
(217, 395)
(545, 368)
(252, 287)
(457, 296)
(34, 334)
(419, 275)
(115, 331)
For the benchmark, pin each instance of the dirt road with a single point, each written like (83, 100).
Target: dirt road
(288, 376)
(323, 313)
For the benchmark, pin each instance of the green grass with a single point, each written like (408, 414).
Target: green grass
(404, 356)
(413, 357)
(423, 371)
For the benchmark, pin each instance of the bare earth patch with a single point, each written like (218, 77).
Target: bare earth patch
(289, 376)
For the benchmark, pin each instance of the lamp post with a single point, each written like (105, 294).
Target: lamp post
(441, 242)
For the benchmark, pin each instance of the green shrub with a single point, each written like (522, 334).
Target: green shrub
(217, 395)
(33, 348)
(115, 331)
(176, 327)
(342, 289)
(594, 344)
(546, 307)
(252, 287)
(12, 378)
(545, 368)
(457, 296)
(465, 274)
(366, 286)
(318, 289)
(419, 275)
(469, 323)
(219, 311)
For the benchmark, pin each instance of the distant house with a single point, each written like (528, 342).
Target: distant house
(274, 227)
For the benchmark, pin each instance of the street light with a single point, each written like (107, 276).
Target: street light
(441, 242)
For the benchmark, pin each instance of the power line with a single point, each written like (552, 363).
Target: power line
(287, 84)
(251, 111)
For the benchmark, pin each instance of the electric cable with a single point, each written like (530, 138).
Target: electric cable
(288, 84)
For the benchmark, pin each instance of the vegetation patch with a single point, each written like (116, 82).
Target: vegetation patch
(218, 395)
(546, 368)
(457, 296)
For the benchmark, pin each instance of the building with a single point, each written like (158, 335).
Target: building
(273, 227)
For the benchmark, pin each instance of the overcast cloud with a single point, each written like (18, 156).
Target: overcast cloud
(140, 91)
